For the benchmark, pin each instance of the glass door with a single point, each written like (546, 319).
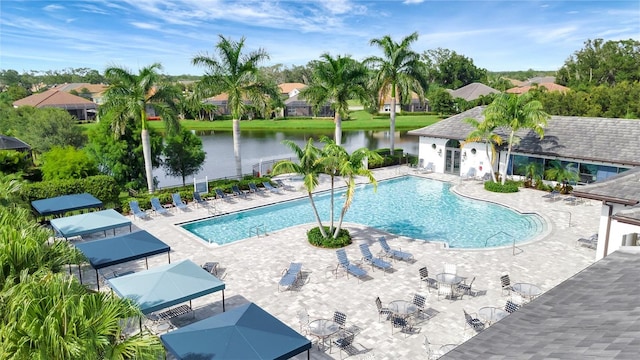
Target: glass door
(452, 161)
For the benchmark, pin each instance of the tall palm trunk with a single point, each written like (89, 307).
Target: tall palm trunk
(506, 162)
(315, 212)
(236, 147)
(492, 159)
(338, 130)
(392, 123)
(331, 210)
(146, 153)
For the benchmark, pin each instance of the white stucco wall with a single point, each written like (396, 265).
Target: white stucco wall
(616, 232)
(480, 161)
(429, 154)
(433, 150)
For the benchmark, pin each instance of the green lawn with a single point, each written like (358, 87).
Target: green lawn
(359, 120)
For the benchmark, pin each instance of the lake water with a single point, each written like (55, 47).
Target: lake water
(256, 146)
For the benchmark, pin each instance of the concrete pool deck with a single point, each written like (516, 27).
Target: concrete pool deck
(251, 268)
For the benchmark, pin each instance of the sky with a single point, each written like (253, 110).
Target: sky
(496, 35)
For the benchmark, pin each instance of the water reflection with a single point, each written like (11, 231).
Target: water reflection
(259, 146)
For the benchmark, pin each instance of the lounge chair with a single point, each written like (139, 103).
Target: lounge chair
(395, 254)
(177, 202)
(591, 242)
(157, 207)
(343, 262)
(267, 185)
(221, 195)
(470, 175)
(290, 276)
(237, 192)
(137, 212)
(254, 189)
(368, 258)
(199, 200)
(552, 196)
(282, 185)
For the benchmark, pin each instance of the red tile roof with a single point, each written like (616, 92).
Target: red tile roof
(52, 98)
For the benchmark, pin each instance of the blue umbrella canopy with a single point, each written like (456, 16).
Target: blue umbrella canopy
(246, 332)
(167, 285)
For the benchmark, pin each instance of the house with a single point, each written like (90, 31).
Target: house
(600, 147)
(548, 86)
(288, 90)
(592, 315)
(620, 214)
(79, 107)
(221, 101)
(296, 106)
(472, 91)
(93, 92)
(414, 105)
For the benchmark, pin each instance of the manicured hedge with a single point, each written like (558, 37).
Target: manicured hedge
(509, 186)
(101, 186)
(315, 238)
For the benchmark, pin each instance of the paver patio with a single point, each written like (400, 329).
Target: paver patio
(251, 268)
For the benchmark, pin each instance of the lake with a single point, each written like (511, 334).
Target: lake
(257, 146)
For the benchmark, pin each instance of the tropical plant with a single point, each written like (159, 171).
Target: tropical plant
(533, 172)
(52, 316)
(485, 131)
(308, 167)
(237, 75)
(130, 96)
(335, 81)
(562, 174)
(516, 112)
(67, 162)
(400, 72)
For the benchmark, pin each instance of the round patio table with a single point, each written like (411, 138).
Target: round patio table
(526, 290)
(403, 308)
(492, 314)
(322, 329)
(451, 279)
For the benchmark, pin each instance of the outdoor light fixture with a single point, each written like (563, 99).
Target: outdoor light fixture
(440, 152)
(464, 156)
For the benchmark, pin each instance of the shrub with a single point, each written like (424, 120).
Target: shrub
(509, 186)
(102, 187)
(315, 238)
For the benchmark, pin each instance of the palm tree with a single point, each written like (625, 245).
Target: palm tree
(336, 80)
(516, 112)
(130, 96)
(52, 316)
(349, 166)
(308, 167)
(562, 174)
(485, 131)
(237, 75)
(400, 72)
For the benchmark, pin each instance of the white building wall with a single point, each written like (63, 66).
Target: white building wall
(479, 161)
(617, 231)
(431, 150)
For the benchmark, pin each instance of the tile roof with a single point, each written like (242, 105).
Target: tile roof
(548, 86)
(594, 314)
(623, 188)
(286, 88)
(473, 91)
(56, 98)
(583, 138)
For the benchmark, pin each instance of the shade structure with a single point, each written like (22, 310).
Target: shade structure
(119, 249)
(64, 203)
(88, 223)
(246, 332)
(167, 285)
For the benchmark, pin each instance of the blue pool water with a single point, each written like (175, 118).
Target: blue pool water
(409, 206)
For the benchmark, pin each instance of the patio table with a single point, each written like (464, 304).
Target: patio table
(492, 314)
(403, 308)
(450, 279)
(322, 329)
(526, 290)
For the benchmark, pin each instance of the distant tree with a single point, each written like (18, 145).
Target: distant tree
(400, 72)
(235, 73)
(601, 62)
(16, 92)
(452, 70)
(441, 101)
(61, 163)
(120, 156)
(45, 128)
(12, 161)
(183, 155)
(335, 81)
(129, 98)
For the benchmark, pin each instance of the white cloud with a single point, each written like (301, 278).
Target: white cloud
(53, 7)
(146, 26)
(411, 2)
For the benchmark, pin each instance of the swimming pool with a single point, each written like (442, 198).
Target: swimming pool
(409, 206)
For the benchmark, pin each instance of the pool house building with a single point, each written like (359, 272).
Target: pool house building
(599, 147)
